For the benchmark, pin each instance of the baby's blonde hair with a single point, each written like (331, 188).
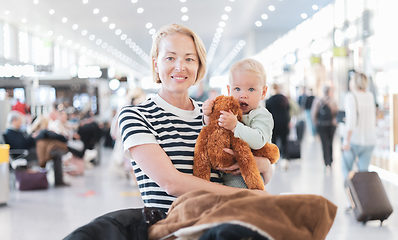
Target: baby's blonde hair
(249, 66)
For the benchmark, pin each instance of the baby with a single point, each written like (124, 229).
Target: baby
(247, 84)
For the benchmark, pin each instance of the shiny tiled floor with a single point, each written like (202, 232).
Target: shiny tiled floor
(53, 213)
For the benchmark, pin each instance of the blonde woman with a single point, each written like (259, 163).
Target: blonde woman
(360, 130)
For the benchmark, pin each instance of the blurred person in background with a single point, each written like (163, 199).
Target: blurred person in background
(324, 113)
(360, 128)
(278, 105)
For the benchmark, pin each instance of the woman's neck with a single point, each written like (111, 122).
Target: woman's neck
(181, 101)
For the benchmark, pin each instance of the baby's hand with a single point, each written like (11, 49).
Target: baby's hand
(228, 120)
(207, 107)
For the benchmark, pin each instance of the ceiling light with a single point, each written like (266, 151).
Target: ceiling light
(98, 42)
(118, 32)
(114, 84)
(69, 42)
(104, 45)
(38, 27)
(64, 20)
(109, 49)
(104, 19)
(148, 25)
(85, 1)
(271, 8)
(140, 10)
(35, 1)
(123, 37)
(183, 0)
(75, 26)
(152, 31)
(304, 16)
(184, 18)
(220, 30)
(96, 11)
(83, 49)
(221, 24)
(264, 16)
(242, 43)
(51, 12)
(50, 33)
(77, 46)
(112, 26)
(84, 32)
(60, 37)
(24, 20)
(315, 7)
(227, 8)
(6, 12)
(92, 37)
(224, 17)
(184, 9)
(258, 23)
(134, 1)
(128, 41)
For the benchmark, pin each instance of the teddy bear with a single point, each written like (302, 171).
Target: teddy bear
(212, 139)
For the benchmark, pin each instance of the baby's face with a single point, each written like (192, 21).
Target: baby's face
(248, 89)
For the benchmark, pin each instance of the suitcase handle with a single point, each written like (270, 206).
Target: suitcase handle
(350, 198)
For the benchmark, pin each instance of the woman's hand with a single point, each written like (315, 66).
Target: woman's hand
(263, 164)
(345, 147)
(207, 107)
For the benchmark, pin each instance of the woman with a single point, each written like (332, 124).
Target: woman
(360, 133)
(162, 131)
(324, 113)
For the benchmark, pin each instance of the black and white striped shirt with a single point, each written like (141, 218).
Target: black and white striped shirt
(174, 129)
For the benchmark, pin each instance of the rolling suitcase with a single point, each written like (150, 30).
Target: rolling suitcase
(293, 149)
(368, 198)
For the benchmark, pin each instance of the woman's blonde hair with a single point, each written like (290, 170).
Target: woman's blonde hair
(250, 66)
(360, 81)
(173, 29)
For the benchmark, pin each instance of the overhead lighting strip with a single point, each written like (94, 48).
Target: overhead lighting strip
(220, 69)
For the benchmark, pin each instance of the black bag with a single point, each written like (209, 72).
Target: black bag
(368, 198)
(324, 117)
(340, 117)
(293, 149)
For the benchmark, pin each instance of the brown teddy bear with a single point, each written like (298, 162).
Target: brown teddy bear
(213, 138)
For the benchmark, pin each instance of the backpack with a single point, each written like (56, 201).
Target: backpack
(308, 102)
(325, 117)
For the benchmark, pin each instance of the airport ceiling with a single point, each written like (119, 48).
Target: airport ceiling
(121, 29)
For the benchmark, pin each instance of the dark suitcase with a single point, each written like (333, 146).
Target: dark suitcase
(368, 198)
(293, 149)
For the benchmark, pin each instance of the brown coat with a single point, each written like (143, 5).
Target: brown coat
(44, 148)
(277, 217)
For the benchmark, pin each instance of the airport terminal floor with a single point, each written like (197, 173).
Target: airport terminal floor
(53, 213)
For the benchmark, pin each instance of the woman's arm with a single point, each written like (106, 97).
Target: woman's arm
(152, 159)
(263, 164)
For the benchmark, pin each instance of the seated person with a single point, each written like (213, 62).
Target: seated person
(18, 139)
(21, 140)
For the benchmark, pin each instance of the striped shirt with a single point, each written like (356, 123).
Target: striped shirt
(174, 129)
